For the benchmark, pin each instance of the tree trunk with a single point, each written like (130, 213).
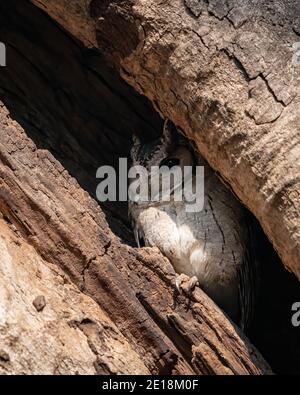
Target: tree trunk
(64, 113)
(233, 89)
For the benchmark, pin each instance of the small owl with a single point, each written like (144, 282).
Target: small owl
(212, 246)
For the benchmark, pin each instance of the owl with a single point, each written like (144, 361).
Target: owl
(213, 246)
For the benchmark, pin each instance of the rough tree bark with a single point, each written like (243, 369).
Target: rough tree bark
(47, 325)
(66, 279)
(222, 71)
(136, 289)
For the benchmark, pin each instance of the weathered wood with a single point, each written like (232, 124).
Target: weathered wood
(223, 72)
(136, 289)
(50, 210)
(67, 334)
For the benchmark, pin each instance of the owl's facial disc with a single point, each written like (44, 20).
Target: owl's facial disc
(170, 162)
(179, 157)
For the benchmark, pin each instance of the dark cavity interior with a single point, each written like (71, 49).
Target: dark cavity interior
(70, 103)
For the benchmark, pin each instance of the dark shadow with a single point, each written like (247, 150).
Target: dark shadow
(70, 102)
(272, 331)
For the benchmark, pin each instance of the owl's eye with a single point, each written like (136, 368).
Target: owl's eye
(170, 162)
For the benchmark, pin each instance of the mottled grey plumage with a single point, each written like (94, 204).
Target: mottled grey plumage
(215, 244)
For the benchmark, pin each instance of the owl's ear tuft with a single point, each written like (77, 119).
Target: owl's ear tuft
(135, 147)
(182, 140)
(168, 132)
(136, 140)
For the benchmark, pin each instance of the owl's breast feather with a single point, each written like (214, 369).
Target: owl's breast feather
(160, 229)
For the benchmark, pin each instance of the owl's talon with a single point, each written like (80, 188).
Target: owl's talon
(192, 283)
(186, 284)
(178, 281)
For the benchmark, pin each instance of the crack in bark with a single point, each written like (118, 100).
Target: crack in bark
(172, 358)
(217, 223)
(201, 38)
(248, 79)
(92, 260)
(296, 32)
(225, 17)
(100, 366)
(237, 62)
(192, 12)
(270, 90)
